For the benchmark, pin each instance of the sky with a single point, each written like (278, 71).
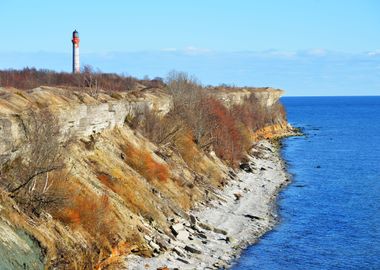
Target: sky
(306, 47)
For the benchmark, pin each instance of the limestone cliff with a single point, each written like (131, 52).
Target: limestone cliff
(121, 191)
(79, 114)
(231, 96)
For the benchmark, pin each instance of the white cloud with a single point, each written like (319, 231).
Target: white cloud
(317, 52)
(275, 53)
(374, 53)
(194, 50)
(285, 54)
(169, 50)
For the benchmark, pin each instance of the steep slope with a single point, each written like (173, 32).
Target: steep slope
(109, 186)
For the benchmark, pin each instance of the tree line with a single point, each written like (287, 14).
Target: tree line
(29, 78)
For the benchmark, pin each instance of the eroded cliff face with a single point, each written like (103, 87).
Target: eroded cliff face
(266, 96)
(118, 186)
(79, 114)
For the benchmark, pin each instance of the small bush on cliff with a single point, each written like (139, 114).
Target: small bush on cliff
(142, 161)
(94, 216)
(89, 211)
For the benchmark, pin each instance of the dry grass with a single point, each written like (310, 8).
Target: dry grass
(94, 214)
(188, 149)
(128, 189)
(141, 160)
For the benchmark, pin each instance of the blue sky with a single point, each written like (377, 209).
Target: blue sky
(315, 47)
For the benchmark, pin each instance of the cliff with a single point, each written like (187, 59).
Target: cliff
(110, 191)
(231, 96)
(78, 114)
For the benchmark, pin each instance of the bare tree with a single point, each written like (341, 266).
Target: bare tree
(28, 177)
(186, 90)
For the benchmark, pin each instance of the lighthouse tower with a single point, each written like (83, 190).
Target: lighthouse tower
(75, 41)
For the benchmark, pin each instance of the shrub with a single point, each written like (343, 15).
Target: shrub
(29, 78)
(91, 212)
(141, 160)
(209, 124)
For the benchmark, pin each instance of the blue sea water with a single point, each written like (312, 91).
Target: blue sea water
(330, 214)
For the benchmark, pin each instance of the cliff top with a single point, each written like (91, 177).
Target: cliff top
(13, 100)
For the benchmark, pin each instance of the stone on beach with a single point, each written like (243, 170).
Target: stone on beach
(220, 231)
(205, 226)
(193, 220)
(237, 196)
(183, 235)
(246, 219)
(176, 228)
(179, 251)
(193, 249)
(154, 246)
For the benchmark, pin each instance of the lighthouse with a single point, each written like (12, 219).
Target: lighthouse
(75, 41)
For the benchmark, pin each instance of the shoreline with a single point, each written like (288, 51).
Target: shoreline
(218, 232)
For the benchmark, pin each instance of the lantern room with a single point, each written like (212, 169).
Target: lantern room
(75, 37)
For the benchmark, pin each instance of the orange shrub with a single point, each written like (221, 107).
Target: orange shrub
(142, 161)
(70, 216)
(91, 212)
(108, 181)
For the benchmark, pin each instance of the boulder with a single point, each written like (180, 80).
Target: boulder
(183, 260)
(252, 217)
(163, 243)
(230, 239)
(245, 167)
(224, 258)
(147, 238)
(179, 251)
(135, 249)
(220, 231)
(193, 220)
(237, 196)
(205, 226)
(154, 246)
(202, 235)
(220, 264)
(176, 228)
(196, 228)
(193, 249)
(183, 235)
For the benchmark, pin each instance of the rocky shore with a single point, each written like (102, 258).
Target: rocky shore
(216, 233)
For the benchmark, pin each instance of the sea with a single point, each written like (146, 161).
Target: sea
(329, 216)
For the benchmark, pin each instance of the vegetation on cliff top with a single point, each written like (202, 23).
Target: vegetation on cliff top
(29, 78)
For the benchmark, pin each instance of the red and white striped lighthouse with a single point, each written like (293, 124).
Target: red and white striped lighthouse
(75, 41)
